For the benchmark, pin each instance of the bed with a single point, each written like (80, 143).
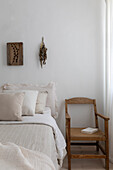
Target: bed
(38, 133)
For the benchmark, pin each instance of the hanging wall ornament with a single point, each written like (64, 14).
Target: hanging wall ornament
(43, 53)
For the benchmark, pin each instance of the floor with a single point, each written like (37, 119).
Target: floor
(85, 164)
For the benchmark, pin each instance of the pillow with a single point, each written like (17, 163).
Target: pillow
(47, 110)
(50, 88)
(41, 102)
(11, 106)
(29, 103)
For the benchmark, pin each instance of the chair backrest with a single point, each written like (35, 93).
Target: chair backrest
(81, 100)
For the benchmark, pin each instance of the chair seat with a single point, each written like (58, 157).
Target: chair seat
(76, 134)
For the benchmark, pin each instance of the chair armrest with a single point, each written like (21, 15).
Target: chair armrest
(102, 116)
(67, 116)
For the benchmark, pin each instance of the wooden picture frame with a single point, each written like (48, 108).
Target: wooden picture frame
(15, 53)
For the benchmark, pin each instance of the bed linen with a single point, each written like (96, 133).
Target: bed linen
(31, 136)
(36, 133)
(13, 157)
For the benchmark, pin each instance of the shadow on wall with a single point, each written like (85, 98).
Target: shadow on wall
(37, 56)
(4, 54)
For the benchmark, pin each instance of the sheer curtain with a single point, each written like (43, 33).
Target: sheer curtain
(109, 71)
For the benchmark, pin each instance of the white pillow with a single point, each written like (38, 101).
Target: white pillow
(11, 106)
(29, 102)
(41, 102)
(47, 110)
(50, 88)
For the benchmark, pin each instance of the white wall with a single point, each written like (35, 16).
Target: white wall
(74, 36)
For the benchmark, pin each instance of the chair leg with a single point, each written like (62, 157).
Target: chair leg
(107, 154)
(69, 155)
(97, 147)
(69, 162)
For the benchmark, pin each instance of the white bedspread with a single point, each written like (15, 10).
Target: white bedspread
(46, 119)
(13, 157)
(35, 137)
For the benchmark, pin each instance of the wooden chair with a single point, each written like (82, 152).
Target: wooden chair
(74, 134)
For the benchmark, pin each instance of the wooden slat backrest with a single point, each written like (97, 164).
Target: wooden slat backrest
(79, 100)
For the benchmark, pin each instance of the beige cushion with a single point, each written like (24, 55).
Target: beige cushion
(41, 102)
(11, 106)
(29, 103)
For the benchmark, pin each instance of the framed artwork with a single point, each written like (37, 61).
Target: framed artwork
(15, 53)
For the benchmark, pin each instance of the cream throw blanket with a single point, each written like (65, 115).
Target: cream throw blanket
(13, 157)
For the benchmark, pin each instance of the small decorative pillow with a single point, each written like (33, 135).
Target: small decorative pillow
(41, 102)
(11, 106)
(29, 103)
